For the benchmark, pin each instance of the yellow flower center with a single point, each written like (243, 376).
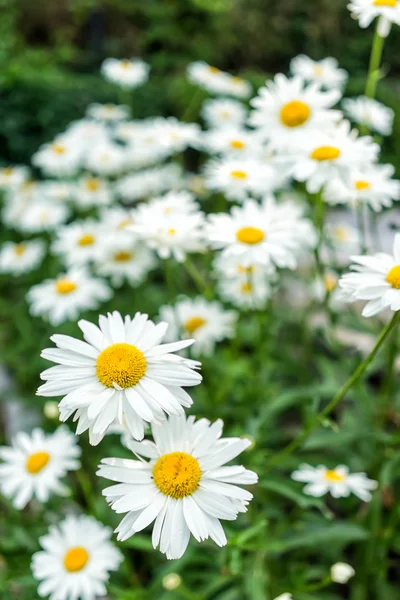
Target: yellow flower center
(225, 114)
(19, 249)
(388, 3)
(194, 323)
(237, 144)
(75, 559)
(213, 70)
(172, 231)
(361, 184)
(393, 277)
(237, 80)
(8, 171)
(177, 474)
(86, 240)
(123, 364)
(125, 223)
(246, 288)
(125, 64)
(58, 148)
(92, 184)
(245, 270)
(239, 174)
(295, 113)
(333, 476)
(325, 153)
(36, 462)
(123, 256)
(318, 70)
(341, 233)
(250, 235)
(330, 282)
(65, 286)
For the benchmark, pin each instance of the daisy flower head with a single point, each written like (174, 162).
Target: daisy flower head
(266, 234)
(13, 176)
(81, 242)
(87, 133)
(286, 111)
(184, 487)
(76, 559)
(372, 186)
(248, 291)
(57, 191)
(149, 182)
(66, 297)
(60, 158)
(115, 220)
(366, 11)
(285, 596)
(178, 202)
(327, 286)
(127, 73)
(342, 572)
(325, 72)
(42, 215)
(210, 78)
(370, 113)
(107, 113)
(223, 112)
(330, 155)
(126, 261)
(120, 374)
(34, 465)
(342, 238)
(206, 322)
(175, 136)
(375, 279)
(233, 141)
(106, 159)
(17, 259)
(339, 482)
(92, 191)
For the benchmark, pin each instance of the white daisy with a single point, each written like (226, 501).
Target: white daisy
(128, 73)
(371, 113)
(223, 112)
(237, 87)
(42, 215)
(176, 136)
(206, 322)
(76, 560)
(342, 238)
(124, 260)
(20, 258)
(58, 191)
(325, 72)
(212, 79)
(34, 464)
(109, 113)
(149, 182)
(264, 234)
(60, 158)
(249, 291)
(115, 222)
(365, 11)
(233, 141)
(338, 482)
(66, 297)
(327, 286)
(287, 110)
(285, 596)
(182, 202)
(92, 191)
(376, 279)
(106, 159)
(120, 374)
(87, 133)
(80, 242)
(13, 176)
(373, 186)
(342, 572)
(184, 487)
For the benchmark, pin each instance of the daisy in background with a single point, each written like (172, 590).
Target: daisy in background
(127, 73)
(249, 291)
(66, 297)
(370, 113)
(125, 261)
(386, 11)
(108, 113)
(106, 160)
(80, 242)
(338, 482)
(149, 182)
(372, 186)
(215, 81)
(34, 464)
(184, 486)
(342, 238)
(41, 215)
(57, 191)
(76, 560)
(233, 141)
(115, 221)
(375, 279)
(206, 322)
(325, 72)
(60, 158)
(175, 136)
(223, 112)
(13, 176)
(342, 572)
(120, 375)
(92, 191)
(327, 287)
(182, 202)
(286, 111)
(87, 133)
(20, 258)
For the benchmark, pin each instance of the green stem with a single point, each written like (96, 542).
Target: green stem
(319, 217)
(387, 387)
(193, 106)
(374, 70)
(198, 278)
(338, 397)
(315, 587)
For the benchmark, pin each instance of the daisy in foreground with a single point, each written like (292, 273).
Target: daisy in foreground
(34, 465)
(76, 559)
(365, 11)
(338, 482)
(120, 375)
(184, 487)
(375, 279)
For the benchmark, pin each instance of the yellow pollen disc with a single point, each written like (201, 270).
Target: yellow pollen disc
(65, 286)
(361, 184)
(86, 240)
(92, 185)
(19, 249)
(36, 462)
(213, 70)
(295, 113)
(325, 153)
(109, 107)
(318, 70)
(123, 256)
(58, 148)
(245, 270)
(194, 323)
(237, 144)
(388, 3)
(239, 174)
(393, 277)
(225, 114)
(7, 171)
(250, 235)
(125, 223)
(237, 80)
(172, 231)
(123, 364)
(334, 476)
(341, 233)
(125, 64)
(246, 288)
(330, 282)
(75, 559)
(177, 474)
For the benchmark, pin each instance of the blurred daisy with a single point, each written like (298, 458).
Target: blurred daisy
(342, 238)
(341, 572)
(76, 560)
(149, 182)
(42, 215)
(287, 110)
(60, 158)
(223, 113)
(239, 178)
(66, 297)
(184, 487)
(126, 262)
(128, 74)
(236, 86)
(327, 287)
(210, 78)
(107, 112)
(34, 464)
(233, 141)
(376, 279)
(181, 202)
(92, 191)
(176, 136)
(11, 177)
(204, 321)
(338, 482)
(365, 11)
(87, 133)
(373, 186)
(249, 291)
(80, 242)
(119, 375)
(57, 191)
(106, 159)
(285, 596)
(370, 113)
(20, 258)
(115, 221)
(325, 72)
